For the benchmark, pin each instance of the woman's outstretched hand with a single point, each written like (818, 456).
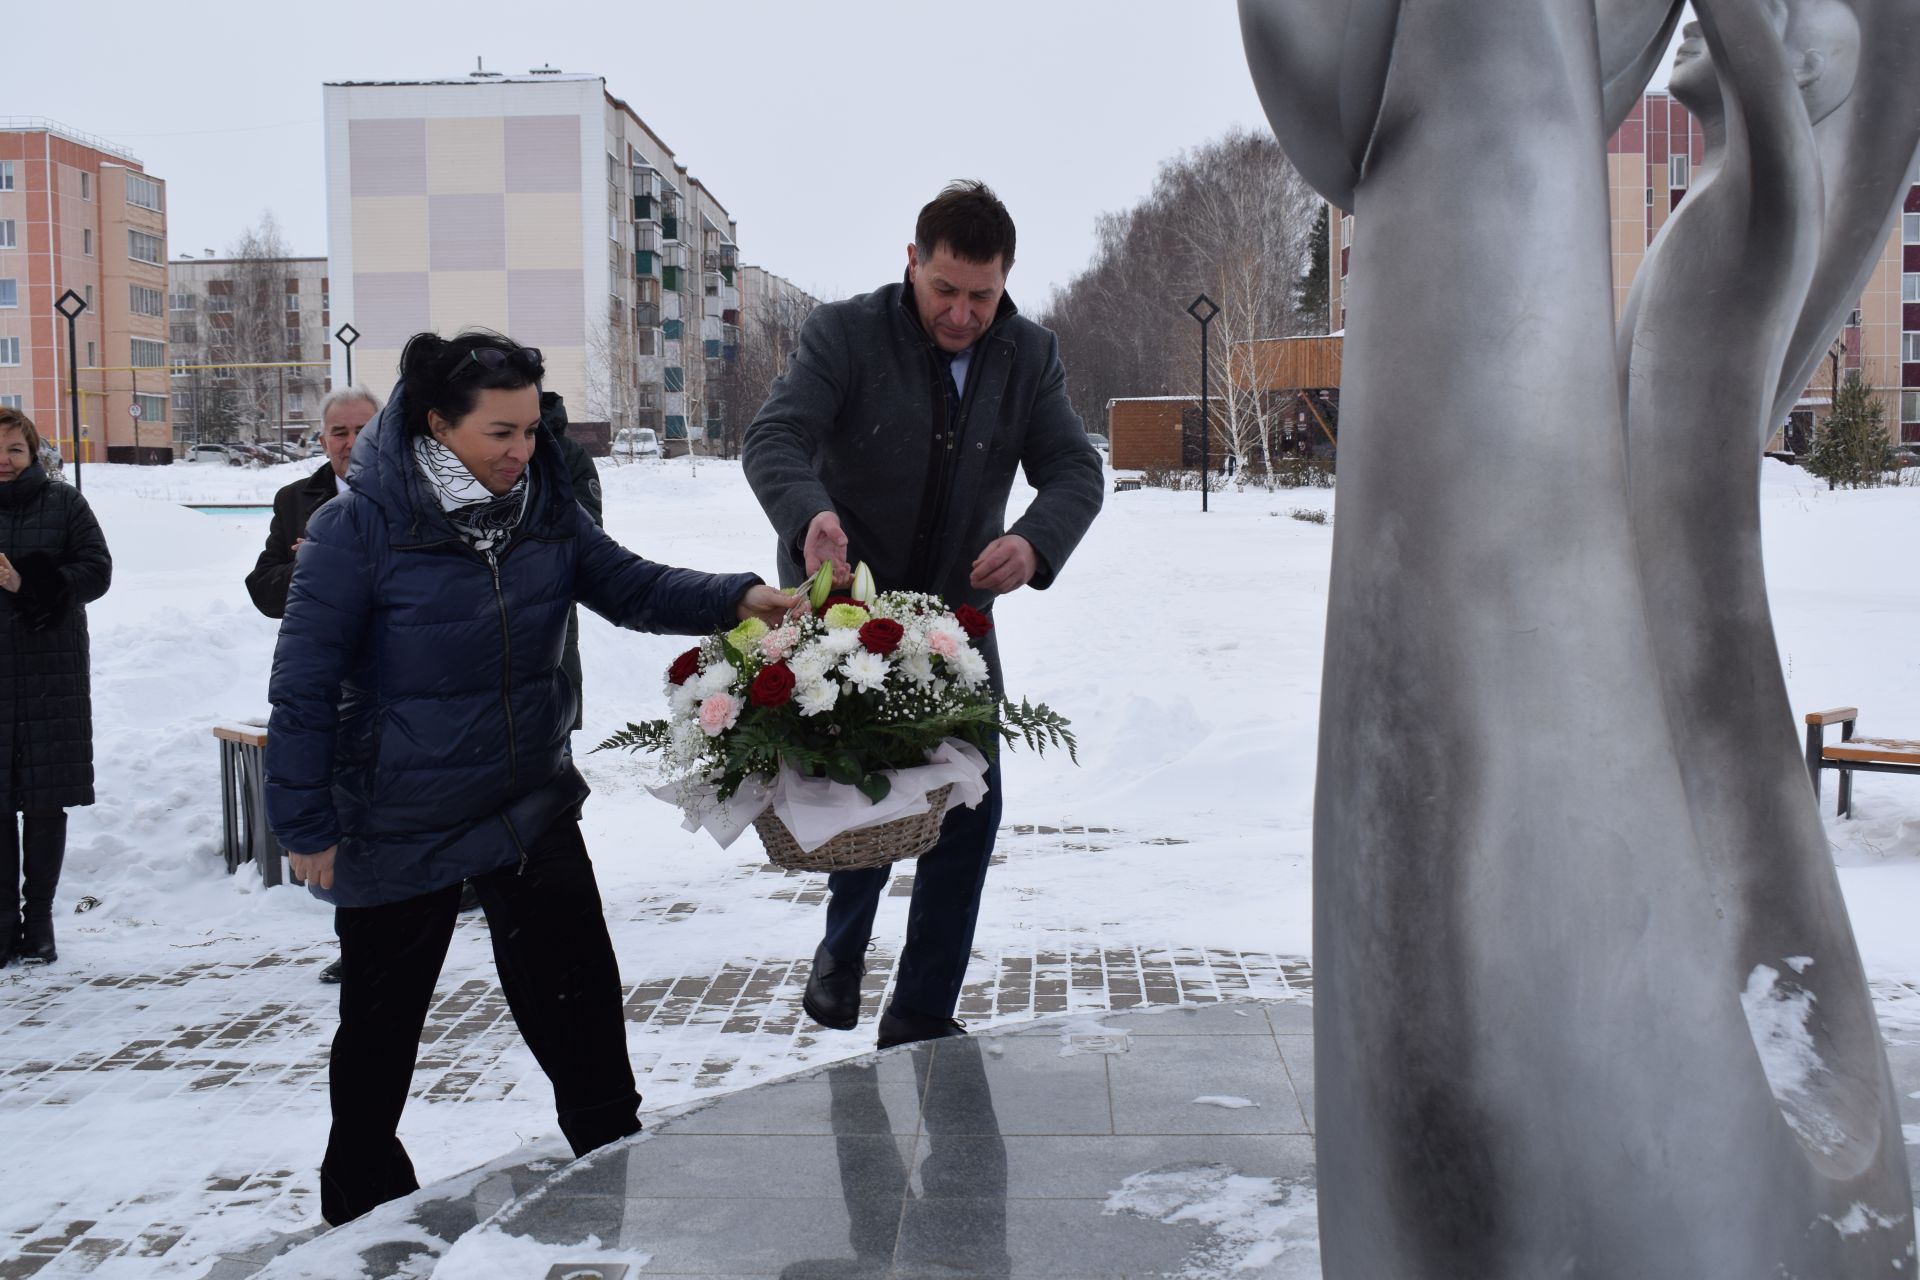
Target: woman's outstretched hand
(766, 603)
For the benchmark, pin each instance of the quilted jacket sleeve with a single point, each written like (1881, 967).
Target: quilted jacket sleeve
(640, 595)
(85, 563)
(329, 605)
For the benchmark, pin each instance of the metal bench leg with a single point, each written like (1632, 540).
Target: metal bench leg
(1846, 793)
(265, 849)
(229, 805)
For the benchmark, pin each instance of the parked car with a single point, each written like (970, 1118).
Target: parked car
(636, 442)
(212, 455)
(283, 452)
(1100, 443)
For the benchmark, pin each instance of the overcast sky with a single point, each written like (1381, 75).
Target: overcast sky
(821, 126)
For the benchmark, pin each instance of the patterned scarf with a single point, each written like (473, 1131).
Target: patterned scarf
(485, 519)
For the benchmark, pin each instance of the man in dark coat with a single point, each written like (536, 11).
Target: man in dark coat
(53, 563)
(893, 438)
(342, 414)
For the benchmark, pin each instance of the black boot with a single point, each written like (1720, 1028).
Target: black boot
(832, 998)
(9, 888)
(897, 1026)
(44, 846)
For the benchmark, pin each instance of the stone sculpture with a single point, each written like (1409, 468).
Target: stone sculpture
(1533, 1054)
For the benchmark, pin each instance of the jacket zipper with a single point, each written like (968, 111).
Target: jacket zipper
(506, 695)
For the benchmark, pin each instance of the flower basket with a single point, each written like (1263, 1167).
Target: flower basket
(805, 730)
(860, 849)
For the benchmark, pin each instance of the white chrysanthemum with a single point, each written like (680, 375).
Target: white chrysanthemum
(969, 668)
(811, 664)
(865, 670)
(717, 678)
(683, 699)
(816, 696)
(918, 667)
(840, 643)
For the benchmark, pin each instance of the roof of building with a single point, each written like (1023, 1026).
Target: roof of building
(476, 77)
(40, 124)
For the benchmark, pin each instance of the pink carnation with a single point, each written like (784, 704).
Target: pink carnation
(943, 643)
(778, 643)
(719, 713)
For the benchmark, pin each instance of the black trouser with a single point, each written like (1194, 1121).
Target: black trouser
(558, 971)
(44, 836)
(940, 917)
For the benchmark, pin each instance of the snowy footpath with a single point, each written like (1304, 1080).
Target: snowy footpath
(165, 1089)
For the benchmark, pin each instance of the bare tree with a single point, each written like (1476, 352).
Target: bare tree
(769, 332)
(256, 332)
(1231, 219)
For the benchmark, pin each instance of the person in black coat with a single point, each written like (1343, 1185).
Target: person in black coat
(893, 437)
(53, 562)
(584, 477)
(342, 415)
(421, 736)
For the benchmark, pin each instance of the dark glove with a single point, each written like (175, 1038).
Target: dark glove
(44, 596)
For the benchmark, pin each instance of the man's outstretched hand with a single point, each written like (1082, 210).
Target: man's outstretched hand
(827, 541)
(1007, 564)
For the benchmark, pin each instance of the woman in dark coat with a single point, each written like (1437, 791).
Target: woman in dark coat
(53, 562)
(421, 736)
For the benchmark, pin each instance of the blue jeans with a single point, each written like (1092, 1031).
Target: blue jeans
(940, 919)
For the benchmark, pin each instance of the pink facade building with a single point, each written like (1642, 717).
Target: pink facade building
(77, 213)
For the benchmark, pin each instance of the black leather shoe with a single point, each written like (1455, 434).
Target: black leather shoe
(331, 974)
(907, 1028)
(832, 998)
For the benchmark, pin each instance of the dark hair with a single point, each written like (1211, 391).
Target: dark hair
(970, 220)
(444, 374)
(12, 419)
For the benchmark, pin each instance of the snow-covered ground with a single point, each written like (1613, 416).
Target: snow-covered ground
(1186, 648)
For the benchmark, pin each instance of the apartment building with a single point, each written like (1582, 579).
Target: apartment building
(542, 206)
(79, 213)
(1653, 160)
(250, 343)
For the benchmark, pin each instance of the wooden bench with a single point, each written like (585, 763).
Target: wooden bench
(1851, 754)
(1126, 484)
(245, 836)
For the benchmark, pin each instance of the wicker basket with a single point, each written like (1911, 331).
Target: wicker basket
(858, 850)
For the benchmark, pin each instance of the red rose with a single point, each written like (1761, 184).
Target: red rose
(975, 623)
(882, 636)
(773, 687)
(683, 667)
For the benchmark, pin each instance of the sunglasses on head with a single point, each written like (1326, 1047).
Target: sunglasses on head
(492, 358)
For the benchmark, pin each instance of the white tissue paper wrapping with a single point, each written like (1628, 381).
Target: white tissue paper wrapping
(816, 810)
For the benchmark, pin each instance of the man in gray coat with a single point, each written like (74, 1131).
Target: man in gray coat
(893, 438)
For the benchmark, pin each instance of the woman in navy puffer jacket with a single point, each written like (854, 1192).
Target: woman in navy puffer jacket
(421, 737)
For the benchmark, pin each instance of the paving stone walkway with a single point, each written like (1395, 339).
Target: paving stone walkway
(242, 1041)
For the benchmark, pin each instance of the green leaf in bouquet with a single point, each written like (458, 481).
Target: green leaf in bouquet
(650, 736)
(874, 786)
(1039, 727)
(845, 768)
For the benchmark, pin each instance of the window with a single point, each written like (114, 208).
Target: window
(142, 247)
(13, 402)
(6, 175)
(152, 408)
(86, 241)
(219, 303)
(9, 235)
(86, 185)
(9, 292)
(183, 333)
(1679, 171)
(1910, 406)
(9, 351)
(182, 400)
(148, 353)
(296, 401)
(88, 289)
(180, 302)
(1910, 348)
(93, 361)
(1853, 318)
(143, 193)
(1910, 228)
(1910, 288)
(145, 301)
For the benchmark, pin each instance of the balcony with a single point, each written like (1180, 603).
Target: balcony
(675, 254)
(647, 315)
(671, 278)
(731, 316)
(729, 333)
(674, 378)
(670, 225)
(645, 263)
(646, 237)
(676, 426)
(670, 328)
(712, 348)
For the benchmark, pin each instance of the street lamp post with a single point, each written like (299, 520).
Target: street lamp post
(71, 305)
(1204, 310)
(347, 336)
